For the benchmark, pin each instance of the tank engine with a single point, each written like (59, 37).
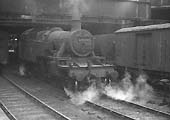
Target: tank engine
(67, 54)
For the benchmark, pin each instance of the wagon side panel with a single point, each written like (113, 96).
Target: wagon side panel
(156, 49)
(166, 38)
(125, 49)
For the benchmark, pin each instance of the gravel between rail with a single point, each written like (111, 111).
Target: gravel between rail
(24, 106)
(132, 110)
(58, 100)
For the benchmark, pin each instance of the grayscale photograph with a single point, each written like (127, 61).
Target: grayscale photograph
(84, 59)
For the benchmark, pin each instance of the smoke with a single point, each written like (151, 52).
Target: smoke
(118, 93)
(31, 7)
(143, 91)
(140, 92)
(78, 98)
(76, 8)
(22, 70)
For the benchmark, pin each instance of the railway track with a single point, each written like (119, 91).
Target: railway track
(132, 110)
(163, 94)
(20, 105)
(7, 112)
(116, 115)
(90, 114)
(99, 111)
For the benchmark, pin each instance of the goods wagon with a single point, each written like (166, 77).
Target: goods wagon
(160, 2)
(68, 55)
(145, 48)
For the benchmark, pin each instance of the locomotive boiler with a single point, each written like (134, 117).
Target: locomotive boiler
(68, 55)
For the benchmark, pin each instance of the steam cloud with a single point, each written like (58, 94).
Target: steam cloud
(122, 91)
(32, 7)
(143, 91)
(91, 94)
(22, 70)
(76, 8)
(140, 93)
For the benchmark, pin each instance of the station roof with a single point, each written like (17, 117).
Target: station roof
(144, 28)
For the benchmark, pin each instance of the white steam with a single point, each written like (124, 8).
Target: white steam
(141, 92)
(118, 93)
(76, 8)
(123, 91)
(91, 94)
(32, 7)
(22, 70)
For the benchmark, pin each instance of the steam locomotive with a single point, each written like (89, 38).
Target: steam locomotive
(68, 55)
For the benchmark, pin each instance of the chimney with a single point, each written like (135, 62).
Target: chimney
(76, 21)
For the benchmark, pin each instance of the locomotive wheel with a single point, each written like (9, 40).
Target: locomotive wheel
(71, 84)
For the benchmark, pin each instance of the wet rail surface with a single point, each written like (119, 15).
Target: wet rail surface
(115, 114)
(7, 112)
(20, 105)
(132, 110)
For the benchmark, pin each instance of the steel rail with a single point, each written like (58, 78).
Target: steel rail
(114, 113)
(7, 111)
(37, 100)
(148, 109)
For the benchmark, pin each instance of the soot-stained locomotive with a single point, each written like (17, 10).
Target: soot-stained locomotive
(68, 55)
